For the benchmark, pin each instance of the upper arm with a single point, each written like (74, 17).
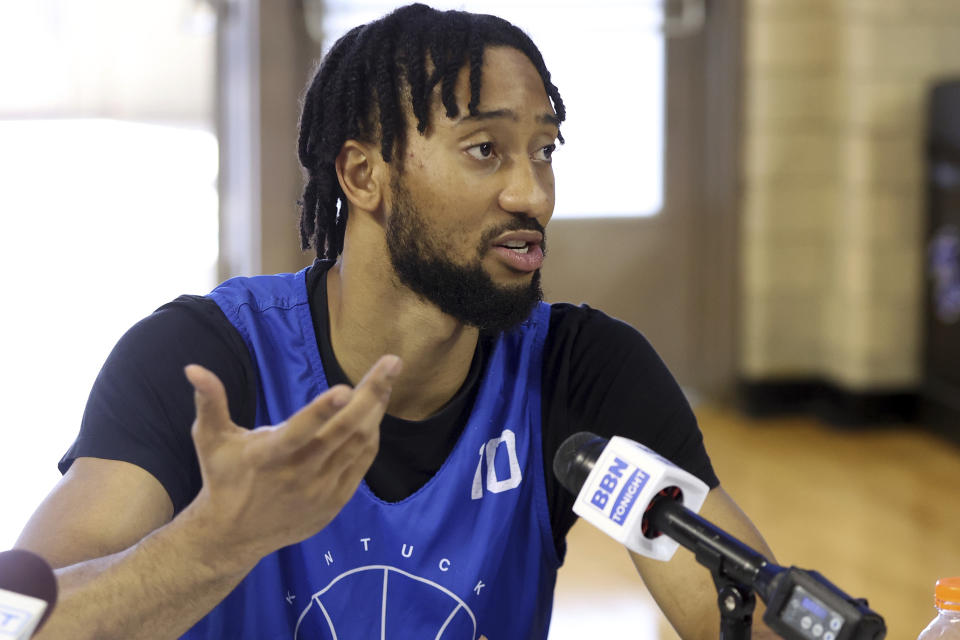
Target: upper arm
(141, 407)
(133, 465)
(683, 588)
(99, 507)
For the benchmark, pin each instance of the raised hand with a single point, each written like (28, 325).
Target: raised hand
(274, 486)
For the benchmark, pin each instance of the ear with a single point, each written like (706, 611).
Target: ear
(360, 174)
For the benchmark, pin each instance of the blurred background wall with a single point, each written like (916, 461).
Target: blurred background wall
(834, 198)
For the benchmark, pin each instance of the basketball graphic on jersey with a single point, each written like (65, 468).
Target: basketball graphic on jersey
(380, 601)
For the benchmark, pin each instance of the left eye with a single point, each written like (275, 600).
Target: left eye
(546, 153)
(481, 151)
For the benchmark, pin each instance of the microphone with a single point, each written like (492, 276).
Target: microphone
(28, 593)
(617, 483)
(648, 504)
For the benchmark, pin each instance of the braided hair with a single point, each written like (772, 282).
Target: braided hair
(361, 84)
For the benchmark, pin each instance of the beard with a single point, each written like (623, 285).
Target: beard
(465, 292)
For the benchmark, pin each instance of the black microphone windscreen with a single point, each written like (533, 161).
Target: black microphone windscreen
(28, 574)
(575, 458)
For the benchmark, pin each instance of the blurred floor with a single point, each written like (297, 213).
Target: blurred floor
(877, 511)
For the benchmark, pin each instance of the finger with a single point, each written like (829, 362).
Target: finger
(210, 398)
(368, 403)
(300, 428)
(372, 394)
(349, 442)
(378, 381)
(324, 406)
(343, 476)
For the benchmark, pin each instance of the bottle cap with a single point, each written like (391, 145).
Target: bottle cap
(947, 594)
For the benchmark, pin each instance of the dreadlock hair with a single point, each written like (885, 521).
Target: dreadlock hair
(358, 91)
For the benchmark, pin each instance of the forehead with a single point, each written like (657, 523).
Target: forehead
(509, 81)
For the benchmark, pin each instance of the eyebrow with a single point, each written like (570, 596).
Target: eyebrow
(543, 118)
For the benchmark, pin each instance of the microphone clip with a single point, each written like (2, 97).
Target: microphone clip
(735, 599)
(737, 602)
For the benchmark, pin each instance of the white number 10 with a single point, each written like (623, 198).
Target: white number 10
(494, 484)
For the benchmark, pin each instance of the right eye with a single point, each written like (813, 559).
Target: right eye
(482, 151)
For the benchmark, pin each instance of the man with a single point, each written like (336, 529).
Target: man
(419, 502)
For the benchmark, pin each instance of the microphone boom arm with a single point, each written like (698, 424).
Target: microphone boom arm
(714, 548)
(801, 605)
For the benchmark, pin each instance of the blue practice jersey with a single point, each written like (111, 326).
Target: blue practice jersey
(469, 554)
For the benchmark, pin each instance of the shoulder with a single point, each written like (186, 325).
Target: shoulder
(151, 355)
(144, 372)
(188, 311)
(262, 292)
(188, 323)
(588, 350)
(570, 321)
(585, 335)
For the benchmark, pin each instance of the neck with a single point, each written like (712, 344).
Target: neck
(372, 314)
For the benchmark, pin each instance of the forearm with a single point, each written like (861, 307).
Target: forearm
(684, 589)
(254, 485)
(157, 588)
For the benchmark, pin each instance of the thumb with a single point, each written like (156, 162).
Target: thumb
(210, 398)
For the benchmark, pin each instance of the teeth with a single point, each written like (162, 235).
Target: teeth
(522, 249)
(515, 244)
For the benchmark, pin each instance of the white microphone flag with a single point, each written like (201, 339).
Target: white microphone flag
(625, 479)
(19, 615)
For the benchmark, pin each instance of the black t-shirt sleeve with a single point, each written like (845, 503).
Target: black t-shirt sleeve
(141, 408)
(602, 375)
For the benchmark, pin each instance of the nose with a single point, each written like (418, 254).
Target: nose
(528, 189)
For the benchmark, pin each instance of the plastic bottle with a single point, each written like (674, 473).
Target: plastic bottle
(946, 626)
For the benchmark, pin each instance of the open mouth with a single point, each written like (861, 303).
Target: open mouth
(517, 246)
(521, 251)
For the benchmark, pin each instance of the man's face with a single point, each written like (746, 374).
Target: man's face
(467, 215)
